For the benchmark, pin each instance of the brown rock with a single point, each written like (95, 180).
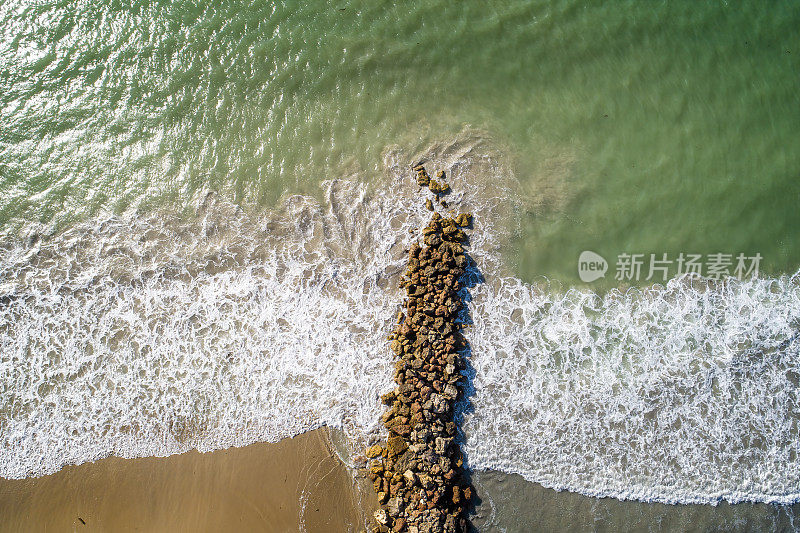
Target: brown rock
(389, 398)
(402, 429)
(377, 467)
(464, 219)
(450, 392)
(374, 451)
(419, 454)
(395, 507)
(397, 347)
(437, 187)
(396, 445)
(382, 517)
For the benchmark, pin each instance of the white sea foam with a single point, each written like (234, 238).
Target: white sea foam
(686, 393)
(138, 336)
(131, 339)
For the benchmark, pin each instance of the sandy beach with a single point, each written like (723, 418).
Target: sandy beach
(300, 484)
(496, 267)
(294, 484)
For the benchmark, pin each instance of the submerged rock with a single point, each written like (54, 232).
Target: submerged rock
(464, 220)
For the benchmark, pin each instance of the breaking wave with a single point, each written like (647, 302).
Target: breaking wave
(151, 335)
(680, 394)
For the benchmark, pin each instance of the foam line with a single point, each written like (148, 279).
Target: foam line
(141, 336)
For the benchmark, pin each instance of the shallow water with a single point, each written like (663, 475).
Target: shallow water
(204, 209)
(633, 128)
(150, 336)
(509, 504)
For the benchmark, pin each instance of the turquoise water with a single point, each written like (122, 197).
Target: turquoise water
(160, 298)
(638, 128)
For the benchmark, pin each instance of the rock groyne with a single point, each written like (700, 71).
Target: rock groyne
(418, 472)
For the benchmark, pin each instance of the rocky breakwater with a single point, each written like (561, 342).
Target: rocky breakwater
(418, 472)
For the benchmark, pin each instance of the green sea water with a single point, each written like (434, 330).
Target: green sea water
(634, 127)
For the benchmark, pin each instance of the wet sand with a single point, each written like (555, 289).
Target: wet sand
(510, 504)
(300, 484)
(292, 485)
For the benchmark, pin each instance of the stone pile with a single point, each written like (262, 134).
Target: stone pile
(417, 473)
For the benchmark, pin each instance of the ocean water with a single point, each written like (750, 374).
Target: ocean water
(203, 210)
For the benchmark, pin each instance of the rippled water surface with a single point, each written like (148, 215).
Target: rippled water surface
(634, 128)
(182, 185)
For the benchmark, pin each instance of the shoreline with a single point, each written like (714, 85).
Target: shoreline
(249, 488)
(298, 482)
(509, 502)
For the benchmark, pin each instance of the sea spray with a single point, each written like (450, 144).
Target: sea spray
(417, 472)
